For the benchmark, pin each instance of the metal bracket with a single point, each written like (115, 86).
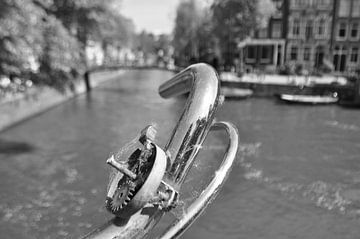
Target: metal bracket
(167, 198)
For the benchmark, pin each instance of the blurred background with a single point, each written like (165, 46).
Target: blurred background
(79, 79)
(53, 42)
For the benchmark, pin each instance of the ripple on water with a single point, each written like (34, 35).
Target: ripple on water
(327, 196)
(37, 211)
(333, 197)
(343, 126)
(251, 149)
(337, 198)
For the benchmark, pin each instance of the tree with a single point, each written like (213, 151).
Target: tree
(187, 23)
(60, 60)
(265, 9)
(163, 43)
(83, 19)
(46, 39)
(233, 20)
(117, 32)
(20, 36)
(208, 43)
(145, 42)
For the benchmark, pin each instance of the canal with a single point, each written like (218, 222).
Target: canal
(297, 172)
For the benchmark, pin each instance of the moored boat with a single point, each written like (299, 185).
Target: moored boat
(309, 99)
(236, 93)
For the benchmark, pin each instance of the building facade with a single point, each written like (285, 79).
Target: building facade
(265, 49)
(345, 42)
(313, 34)
(308, 34)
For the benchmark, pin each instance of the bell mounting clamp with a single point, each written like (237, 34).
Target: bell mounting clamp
(145, 184)
(137, 180)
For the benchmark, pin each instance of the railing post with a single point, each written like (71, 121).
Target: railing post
(87, 81)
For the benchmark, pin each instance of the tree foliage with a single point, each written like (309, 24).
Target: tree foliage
(60, 60)
(117, 30)
(207, 40)
(163, 43)
(214, 32)
(265, 9)
(233, 20)
(145, 42)
(20, 36)
(46, 39)
(187, 24)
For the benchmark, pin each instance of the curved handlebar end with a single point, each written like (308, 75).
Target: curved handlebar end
(202, 81)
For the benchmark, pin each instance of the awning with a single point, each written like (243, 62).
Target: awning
(265, 41)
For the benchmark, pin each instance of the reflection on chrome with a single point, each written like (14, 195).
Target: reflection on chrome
(203, 86)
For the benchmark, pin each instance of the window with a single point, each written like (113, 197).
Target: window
(251, 52)
(293, 53)
(265, 53)
(321, 27)
(319, 56)
(309, 29)
(354, 54)
(262, 33)
(276, 30)
(340, 58)
(296, 27)
(298, 3)
(342, 30)
(356, 8)
(323, 3)
(354, 30)
(306, 53)
(344, 8)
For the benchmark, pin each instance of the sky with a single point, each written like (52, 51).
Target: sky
(156, 16)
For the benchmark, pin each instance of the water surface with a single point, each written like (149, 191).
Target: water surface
(297, 172)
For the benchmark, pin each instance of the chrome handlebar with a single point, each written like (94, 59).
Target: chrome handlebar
(203, 86)
(205, 198)
(201, 81)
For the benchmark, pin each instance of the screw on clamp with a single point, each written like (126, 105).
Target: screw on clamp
(167, 197)
(147, 137)
(120, 167)
(147, 134)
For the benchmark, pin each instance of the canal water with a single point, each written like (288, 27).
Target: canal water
(297, 172)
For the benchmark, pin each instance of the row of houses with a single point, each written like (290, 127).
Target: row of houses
(98, 55)
(313, 34)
